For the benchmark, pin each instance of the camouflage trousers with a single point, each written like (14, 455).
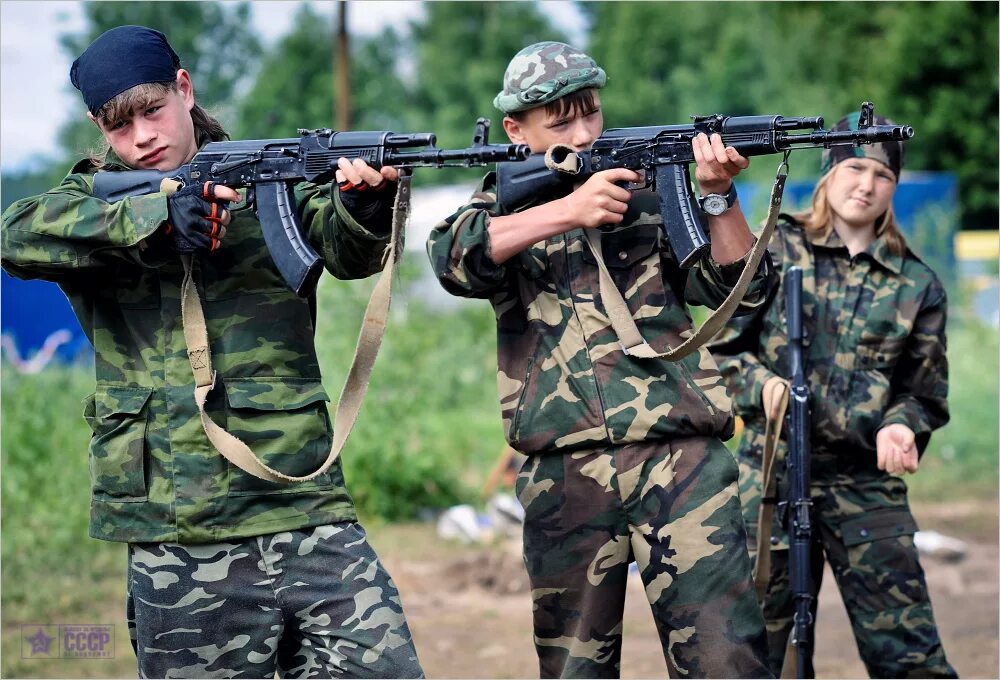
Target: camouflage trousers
(673, 507)
(863, 527)
(309, 603)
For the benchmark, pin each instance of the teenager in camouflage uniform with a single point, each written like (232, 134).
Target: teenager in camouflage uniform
(624, 455)
(228, 575)
(874, 318)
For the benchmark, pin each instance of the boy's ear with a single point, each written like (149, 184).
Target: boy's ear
(513, 130)
(185, 87)
(94, 121)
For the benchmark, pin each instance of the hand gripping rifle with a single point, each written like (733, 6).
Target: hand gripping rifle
(795, 509)
(269, 167)
(664, 153)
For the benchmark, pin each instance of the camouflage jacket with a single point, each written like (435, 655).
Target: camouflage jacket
(875, 345)
(563, 379)
(154, 475)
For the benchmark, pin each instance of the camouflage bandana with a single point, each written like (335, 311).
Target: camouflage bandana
(888, 153)
(544, 72)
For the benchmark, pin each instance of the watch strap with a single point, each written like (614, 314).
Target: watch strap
(730, 197)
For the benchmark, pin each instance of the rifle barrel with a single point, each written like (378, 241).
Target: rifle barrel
(869, 135)
(474, 155)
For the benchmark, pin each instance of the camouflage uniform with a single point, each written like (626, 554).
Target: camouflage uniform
(624, 458)
(304, 603)
(624, 453)
(155, 478)
(875, 355)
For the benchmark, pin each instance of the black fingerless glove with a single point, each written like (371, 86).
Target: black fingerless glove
(371, 207)
(194, 218)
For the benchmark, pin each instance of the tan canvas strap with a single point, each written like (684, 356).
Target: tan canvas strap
(621, 319)
(769, 495)
(788, 666)
(349, 405)
(765, 518)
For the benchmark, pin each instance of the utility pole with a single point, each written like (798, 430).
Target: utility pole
(342, 70)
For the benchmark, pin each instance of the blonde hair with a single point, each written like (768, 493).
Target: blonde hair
(120, 107)
(818, 220)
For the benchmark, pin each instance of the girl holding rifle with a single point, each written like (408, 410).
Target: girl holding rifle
(875, 364)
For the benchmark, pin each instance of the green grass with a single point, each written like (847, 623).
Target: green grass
(430, 427)
(961, 461)
(52, 571)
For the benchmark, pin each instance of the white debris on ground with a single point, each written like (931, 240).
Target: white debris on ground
(933, 544)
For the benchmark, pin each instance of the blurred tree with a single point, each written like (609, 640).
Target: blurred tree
(931, 65)
(942, 61)
(461, 50)
(214, 40)
(294, 88)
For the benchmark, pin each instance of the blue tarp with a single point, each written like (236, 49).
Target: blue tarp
(31, 311)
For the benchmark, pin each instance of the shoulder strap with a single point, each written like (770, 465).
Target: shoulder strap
(769, 496)
(624, 325)
(349, 405)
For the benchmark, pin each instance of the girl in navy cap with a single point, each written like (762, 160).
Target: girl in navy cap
(875, 363)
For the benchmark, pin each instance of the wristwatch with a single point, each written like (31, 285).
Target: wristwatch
(716, 204)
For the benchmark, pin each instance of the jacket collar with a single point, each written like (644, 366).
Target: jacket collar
(878, 250)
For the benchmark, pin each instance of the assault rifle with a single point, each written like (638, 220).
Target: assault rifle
(663, 153)
(796, 507)
(268, 168)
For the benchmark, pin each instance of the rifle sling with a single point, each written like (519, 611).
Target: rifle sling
(633, 344)
(349, 405)
(765, 516)
(789, 667)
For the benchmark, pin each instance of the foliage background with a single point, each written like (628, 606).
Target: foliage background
(933, 65)
(430, 429)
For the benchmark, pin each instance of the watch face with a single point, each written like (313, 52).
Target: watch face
(714, 204)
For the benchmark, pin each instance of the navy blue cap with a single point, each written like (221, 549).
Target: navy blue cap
(120, 59)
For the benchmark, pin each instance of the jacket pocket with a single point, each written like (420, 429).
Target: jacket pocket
(632, 256)
(625, 248)
(878, 353)
(870, 388)
(285, 423)
(118, 419)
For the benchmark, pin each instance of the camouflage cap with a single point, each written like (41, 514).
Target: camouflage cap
(544, 72)
(889, 153)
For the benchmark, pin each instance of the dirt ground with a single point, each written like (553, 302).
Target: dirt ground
(470, 611)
